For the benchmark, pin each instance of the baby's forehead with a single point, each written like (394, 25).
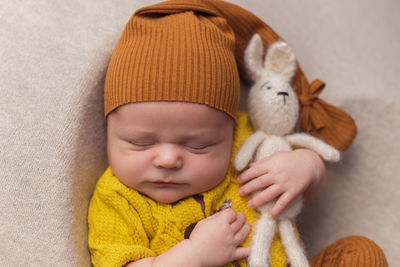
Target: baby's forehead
(176, 117)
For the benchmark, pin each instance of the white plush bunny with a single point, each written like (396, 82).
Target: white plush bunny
(274, 110)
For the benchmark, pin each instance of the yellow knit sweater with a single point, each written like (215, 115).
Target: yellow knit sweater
(125, 225)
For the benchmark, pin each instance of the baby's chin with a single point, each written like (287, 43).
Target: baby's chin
(173, 194)
(167, 196)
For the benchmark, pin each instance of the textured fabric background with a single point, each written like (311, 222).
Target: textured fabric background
(54, 55)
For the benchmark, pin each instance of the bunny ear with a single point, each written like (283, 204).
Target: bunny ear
(253, 58)
(281, 60)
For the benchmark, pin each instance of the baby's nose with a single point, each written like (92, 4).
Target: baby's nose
(168, 156)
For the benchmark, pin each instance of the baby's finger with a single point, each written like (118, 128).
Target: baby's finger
(238, 224)
(228, 215)
(243, 233)
(253, 171)
(265, 196)
(241, 253)
(256, 184)
(280, 204)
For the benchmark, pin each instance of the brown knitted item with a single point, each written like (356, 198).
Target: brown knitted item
(353, 251)
(175, 51)
(192, 51)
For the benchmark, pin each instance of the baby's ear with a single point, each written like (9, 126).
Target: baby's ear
(253, 58)
(281, 60)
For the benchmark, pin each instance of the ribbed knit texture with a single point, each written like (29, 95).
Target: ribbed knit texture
(126, 226)
(353, 251)
(167, 56)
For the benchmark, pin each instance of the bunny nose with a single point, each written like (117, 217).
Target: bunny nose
(284, 96)
(283, 93)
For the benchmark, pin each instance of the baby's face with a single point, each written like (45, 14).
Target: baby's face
(169, 150)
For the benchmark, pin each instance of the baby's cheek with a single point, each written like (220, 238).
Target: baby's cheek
(212, 171)
(128, 169)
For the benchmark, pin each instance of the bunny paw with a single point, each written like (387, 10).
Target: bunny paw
(256, 263)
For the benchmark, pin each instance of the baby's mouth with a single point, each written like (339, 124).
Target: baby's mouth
(164, 183)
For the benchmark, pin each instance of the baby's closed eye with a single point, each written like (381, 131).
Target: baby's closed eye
(142, 143)
(198, 147)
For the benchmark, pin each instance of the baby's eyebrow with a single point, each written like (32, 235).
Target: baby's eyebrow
(203, 133)
(138, 131)
(183, 135)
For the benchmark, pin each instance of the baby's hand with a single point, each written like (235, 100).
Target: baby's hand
(283, 175)
(217, 238)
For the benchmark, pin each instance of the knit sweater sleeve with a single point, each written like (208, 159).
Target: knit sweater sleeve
(116, 233)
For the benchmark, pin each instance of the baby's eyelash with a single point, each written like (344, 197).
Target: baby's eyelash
(197, 147)
(141, 144)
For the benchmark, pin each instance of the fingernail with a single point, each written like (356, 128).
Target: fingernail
(250, 204)
(241, 191)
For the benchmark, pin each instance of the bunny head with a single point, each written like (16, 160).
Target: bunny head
(273, 105)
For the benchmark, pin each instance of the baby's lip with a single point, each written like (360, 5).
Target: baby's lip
(165, 182)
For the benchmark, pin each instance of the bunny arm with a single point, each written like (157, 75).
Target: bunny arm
(247, 150)
(326, 151)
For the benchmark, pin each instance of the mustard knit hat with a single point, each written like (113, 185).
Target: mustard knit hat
(192, 51)
(175, 54)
